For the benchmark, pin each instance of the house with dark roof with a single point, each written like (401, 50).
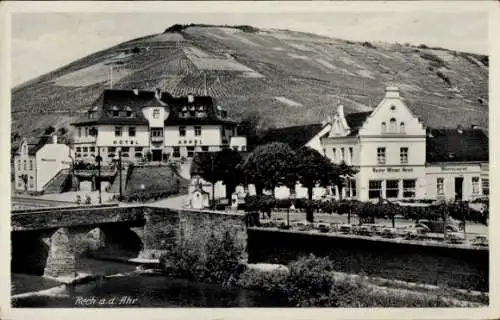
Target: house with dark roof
(457, 163)
(395, 155)
(136, 123)
(38, 161)
(197, 123)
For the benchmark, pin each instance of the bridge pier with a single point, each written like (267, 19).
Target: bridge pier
(159, 234)
(61, 259)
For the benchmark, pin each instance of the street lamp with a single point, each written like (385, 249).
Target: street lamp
(213, 178)
(98, 159)
(119, 159)
(292, 200)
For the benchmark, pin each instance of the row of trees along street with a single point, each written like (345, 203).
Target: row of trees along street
(270, 166)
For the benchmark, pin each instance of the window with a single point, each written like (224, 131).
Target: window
(342, 152)
(486, 186)
(353, 188)
(334, 151)
(350, 155)
(440, 186)
(85, 149)
(128, 113)
(192, 114)
(409, 188)
(403, 155)
(384, 127)
(243, 148)
(204, 148)
(156, 113)
(78, 155)
(131, 131)
(32, 184)
(118, 131)
(392, 189)
(86, 131)
(78, 149)
(80, 132)
(157, 132)
(475, 185)
(111, 149)
(402, 127)
(92, 149)
(125, 149)
(25, 165)
(197, 131)
(392, 125)
(31, 164)
(182, 131)
(177, 152)
(19, 166)
(380, 155)
(374, 189)
(138, 149)
(223, 131)
(138, 155)
(190, 152)
(115, 113)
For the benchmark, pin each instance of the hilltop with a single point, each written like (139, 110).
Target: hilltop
(287, 77)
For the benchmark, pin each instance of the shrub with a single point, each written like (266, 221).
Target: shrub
(205, 257)
(423, 46)
(368, 45)
(435, 60)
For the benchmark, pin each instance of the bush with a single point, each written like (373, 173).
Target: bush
(435, 60)
(368, 45)
(205, 258)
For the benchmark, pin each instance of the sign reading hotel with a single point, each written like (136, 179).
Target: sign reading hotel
(382, 170)
(454, 169)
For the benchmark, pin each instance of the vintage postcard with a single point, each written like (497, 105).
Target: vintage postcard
(244, 159)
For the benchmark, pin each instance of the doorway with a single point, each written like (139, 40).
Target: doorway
(459, 181)
(156, 155)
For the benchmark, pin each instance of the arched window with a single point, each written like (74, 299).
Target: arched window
(402, 127)
(392, 125)
(384, 127)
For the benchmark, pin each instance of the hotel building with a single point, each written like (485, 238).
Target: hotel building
(395, 155)
(141, 122)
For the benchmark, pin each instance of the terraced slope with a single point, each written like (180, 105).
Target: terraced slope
(288, 77)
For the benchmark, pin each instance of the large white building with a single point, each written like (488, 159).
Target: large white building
(395, 155)
(38, 161)
(141, 122)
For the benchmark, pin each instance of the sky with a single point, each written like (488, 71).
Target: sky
(42, 42)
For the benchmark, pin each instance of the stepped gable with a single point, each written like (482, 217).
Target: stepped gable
(184, 105)
(456, 145)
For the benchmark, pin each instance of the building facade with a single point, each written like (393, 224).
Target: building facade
(139, 123)
(38, 161)
(396, 157)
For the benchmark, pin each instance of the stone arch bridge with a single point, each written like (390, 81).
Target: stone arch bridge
(50, 242)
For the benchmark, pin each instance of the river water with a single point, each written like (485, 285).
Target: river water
(136, 290)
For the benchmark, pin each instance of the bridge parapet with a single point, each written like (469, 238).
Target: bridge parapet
(75, 217)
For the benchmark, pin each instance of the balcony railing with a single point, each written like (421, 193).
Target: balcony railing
(156, 138)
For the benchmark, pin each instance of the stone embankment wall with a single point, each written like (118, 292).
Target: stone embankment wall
(452, 266)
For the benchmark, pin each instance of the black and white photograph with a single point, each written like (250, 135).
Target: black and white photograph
(248, 155)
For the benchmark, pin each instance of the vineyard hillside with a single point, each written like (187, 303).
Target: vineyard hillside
(288, 77)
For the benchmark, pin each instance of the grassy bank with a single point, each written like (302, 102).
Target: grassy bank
(307, 282)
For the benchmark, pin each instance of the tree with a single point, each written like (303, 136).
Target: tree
(338, 174)
(270, 166)
(220, 166)
(312, 169)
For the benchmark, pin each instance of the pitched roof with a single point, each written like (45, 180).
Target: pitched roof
(179, 104)
(35, 144)
(355, 121)
(121, 100)
(295, 137)
(450, 145)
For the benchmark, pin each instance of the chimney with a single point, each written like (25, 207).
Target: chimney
(54, 139)
(392, 92)
(136, 91)
(190, 98)
(158, 93)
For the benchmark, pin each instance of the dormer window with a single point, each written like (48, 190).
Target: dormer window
(156, 113)
(193, 108)
(184, 108)
(116, 113)
(128, 113)
(402, 127)
(392, 125)
(192, 113)
(393, 108)
(223, 113)
(384, 127)
(200, 108)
